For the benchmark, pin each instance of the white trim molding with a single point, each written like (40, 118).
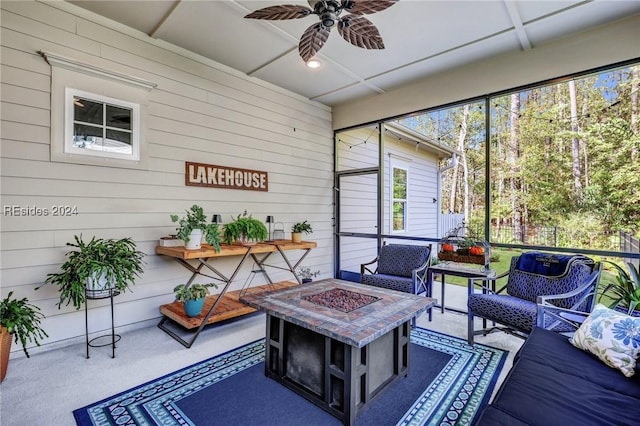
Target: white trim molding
(95, 71)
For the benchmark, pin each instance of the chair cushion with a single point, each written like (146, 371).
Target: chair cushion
(529, 286)
(391, 282)
(614, 337)
(547, 347)
(510, 311)
(401, 259)
(540, 395)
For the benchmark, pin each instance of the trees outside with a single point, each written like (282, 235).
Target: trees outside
(564, 161)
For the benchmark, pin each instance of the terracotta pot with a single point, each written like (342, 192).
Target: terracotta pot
(5, 350)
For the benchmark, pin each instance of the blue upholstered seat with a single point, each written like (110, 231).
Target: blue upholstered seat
(399, 267)
(567, 282)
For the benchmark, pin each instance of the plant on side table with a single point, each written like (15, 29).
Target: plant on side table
(624, 289)
(298, 229)
(192, 297)
(192, 227)
(96, 269)
(20, 320)
(245, 230)
(306, 274)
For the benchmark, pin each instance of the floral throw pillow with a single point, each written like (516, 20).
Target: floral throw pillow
(612, 336)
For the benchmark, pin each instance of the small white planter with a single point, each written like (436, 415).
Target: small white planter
(98, 287)
(195, 240)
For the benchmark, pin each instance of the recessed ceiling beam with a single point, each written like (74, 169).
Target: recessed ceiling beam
(512, 9)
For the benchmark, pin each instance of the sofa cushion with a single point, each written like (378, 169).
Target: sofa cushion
(612, 336)
(515, 312)
(492, 416)
(553, 349)
(540, 395)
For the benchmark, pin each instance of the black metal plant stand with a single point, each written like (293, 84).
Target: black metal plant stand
(90, 295)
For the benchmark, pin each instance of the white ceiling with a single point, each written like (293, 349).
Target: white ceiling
(421, 37)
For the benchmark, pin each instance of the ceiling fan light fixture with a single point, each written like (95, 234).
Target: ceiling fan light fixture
(313, 63)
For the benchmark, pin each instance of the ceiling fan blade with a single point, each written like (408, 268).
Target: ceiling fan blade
(285, 11)
(312, 40)
(360, 32)
(364, 7)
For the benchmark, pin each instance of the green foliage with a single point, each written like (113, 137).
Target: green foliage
(22, 320)
(196, 219)
(305, 272)
(245, 227)
(624, 287)
(193, 292)
(117, 261)
(302, 227)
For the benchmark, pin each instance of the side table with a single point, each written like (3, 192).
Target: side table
(110, 294)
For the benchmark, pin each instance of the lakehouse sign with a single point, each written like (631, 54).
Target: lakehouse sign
(210, 175)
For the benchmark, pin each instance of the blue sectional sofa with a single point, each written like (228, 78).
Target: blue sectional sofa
(554, 383)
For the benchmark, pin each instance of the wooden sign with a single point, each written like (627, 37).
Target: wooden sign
(210, 175)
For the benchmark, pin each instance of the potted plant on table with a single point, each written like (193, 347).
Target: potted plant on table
(298, 229)
(96, 269)
(194, 226)
(192, 297)
(306, 274)
(20, 320)
(245, 230)
(624, 289)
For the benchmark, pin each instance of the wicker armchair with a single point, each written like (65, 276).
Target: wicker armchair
(568, 282)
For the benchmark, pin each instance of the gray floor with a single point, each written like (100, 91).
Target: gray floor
(46, 388)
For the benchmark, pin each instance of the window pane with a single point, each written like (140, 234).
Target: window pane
(399, 215)
(87, 111)
(87, 137)
(400, 183)
(118, 142)
(118, 117)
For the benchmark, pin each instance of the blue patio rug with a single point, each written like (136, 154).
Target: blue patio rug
(448, 383)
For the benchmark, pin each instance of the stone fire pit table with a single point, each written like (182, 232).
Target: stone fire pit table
(337, 343)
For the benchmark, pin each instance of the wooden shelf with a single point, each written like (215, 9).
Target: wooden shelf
(229, 307)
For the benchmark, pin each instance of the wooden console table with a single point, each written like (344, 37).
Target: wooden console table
(197, 260)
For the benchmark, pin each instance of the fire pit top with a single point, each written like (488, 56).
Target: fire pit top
(341, 300)
(350, 320)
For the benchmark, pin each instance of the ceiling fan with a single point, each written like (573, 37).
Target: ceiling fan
(354, 27)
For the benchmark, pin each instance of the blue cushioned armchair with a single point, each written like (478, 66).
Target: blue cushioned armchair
(399, 267)
(566, 281)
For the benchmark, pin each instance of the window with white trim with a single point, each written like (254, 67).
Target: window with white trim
(399, 207)
(100, 126)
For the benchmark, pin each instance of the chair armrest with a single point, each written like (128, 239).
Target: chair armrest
(561, 315)
(363, 267)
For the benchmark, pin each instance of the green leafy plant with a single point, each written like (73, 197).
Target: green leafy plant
(193, 292)
(22, 320)
(117, 261)
(245, 228)
(305, 272)
(624, 288)
(302, 227)
(196, 219)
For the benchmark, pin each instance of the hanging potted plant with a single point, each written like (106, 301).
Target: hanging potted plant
(624, 289)
(298, 229)
(95, 269)
(245, 230)
(192, 297)
(20, 320)
(194, 226)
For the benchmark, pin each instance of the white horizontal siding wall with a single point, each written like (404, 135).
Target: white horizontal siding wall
(200, 111)
(358, 194)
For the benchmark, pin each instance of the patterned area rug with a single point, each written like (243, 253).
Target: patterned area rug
(449, 382)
